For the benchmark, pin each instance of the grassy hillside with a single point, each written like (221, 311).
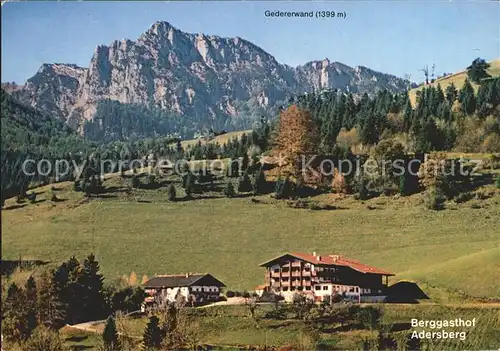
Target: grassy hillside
(458, 79)
(458, 248)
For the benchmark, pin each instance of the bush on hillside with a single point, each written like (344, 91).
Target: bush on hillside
(152, 180)
(229, 190)
(135, 181)
(434, 199)
(463, 197)
(369, 317)
(31, 197)
(230, 293)
(497, 182)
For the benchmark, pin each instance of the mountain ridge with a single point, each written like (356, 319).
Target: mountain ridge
(221, 82)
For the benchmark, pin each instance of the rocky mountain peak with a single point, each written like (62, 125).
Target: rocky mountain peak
(204, 77)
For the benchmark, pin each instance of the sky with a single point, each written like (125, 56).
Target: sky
(396, 37)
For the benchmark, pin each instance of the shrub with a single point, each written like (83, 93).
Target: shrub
(299, 203)
(483, 195)
(237, 294)
(31, 197)
(475, 206)
(229, 190)
(497, 182)
(205, 177)
(434, 200)
(171, 192)
(230, 293)
(314, 205)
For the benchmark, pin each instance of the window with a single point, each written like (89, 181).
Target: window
(285, 289)
(357, 289)
(317, 287)
(325, 287)
(308, 288)
(276, 270)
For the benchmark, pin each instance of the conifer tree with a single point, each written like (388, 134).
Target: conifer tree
(245, 185)
(92, 282)
(31, 304)
(111, 340)
(152, 336)
(14, 323)
(229, 190)
(467, 98)
(403, 187)
(451, 93)
(189, 185)
(171, 192)
(478, 70)
(260, 183)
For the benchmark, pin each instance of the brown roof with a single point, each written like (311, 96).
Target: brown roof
(182, 280)
(334, 260)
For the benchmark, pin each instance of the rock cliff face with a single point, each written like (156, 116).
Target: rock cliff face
(191, 74)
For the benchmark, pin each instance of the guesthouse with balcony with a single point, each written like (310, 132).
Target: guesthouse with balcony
(323, 277)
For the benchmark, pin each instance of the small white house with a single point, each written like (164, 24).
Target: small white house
(192, 288)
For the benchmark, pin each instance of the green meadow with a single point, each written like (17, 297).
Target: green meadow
(456, 249)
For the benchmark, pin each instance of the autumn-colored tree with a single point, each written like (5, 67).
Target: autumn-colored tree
(132, 280)
(297, 135)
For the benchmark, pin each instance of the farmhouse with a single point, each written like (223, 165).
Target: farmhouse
(322, 277)
(192, 288)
